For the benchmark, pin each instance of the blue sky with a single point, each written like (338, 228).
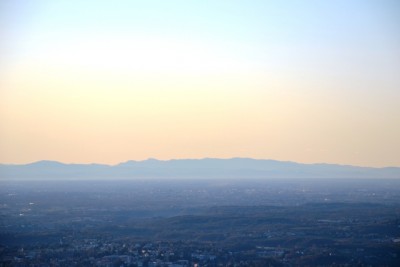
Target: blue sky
(308, 81)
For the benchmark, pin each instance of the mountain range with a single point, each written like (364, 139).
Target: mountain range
(209, 168)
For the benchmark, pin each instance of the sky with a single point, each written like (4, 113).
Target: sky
(111, 81)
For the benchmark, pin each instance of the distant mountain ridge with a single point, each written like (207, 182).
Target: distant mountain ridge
(212, 168)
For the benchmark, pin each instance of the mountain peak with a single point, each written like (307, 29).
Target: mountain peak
(47, 163)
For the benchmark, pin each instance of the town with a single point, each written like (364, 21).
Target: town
(170, 223)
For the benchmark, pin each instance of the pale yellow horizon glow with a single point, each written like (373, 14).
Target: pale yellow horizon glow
(106, 119)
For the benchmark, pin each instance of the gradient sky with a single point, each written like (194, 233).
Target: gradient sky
(110, 81)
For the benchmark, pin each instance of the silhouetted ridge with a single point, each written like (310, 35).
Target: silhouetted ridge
(207, 168)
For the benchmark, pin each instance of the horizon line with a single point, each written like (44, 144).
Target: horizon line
(204, 158)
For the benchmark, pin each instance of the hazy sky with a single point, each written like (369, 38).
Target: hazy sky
(110, 81)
